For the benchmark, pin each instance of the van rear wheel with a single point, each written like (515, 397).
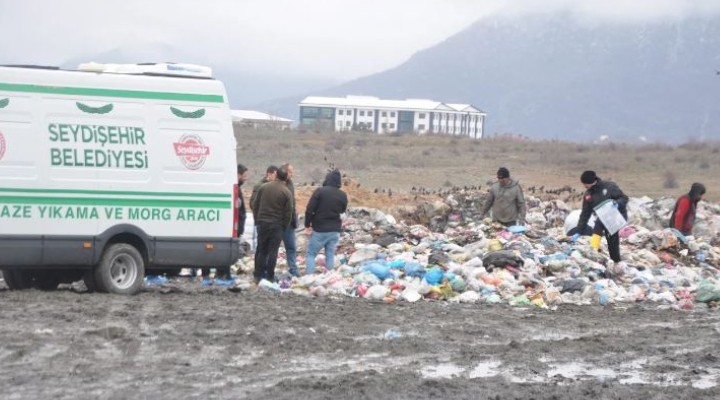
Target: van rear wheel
(121, 270)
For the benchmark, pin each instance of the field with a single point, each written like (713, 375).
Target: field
(438, 163)
(202, 343)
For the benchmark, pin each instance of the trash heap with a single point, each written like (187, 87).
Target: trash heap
(442, 251)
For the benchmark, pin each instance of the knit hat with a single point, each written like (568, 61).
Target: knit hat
(503, 173)
(588, 177)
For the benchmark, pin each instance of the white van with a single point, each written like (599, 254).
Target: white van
(110, 172)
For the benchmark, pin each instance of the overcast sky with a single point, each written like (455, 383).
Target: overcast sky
(333, 39)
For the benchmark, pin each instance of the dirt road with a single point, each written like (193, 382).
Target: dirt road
(185, 341)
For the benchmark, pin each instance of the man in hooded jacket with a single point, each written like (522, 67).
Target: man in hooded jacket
(683, 216)
(506, 200)
(323, 222)
(597, 191)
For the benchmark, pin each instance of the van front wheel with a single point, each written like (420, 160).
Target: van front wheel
(121, 270)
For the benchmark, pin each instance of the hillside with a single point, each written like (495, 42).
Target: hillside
(554, 77)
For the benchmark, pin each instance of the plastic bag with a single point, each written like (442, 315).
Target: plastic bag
(434, 276)
(378, 269)
(414, 269)
(707, 292)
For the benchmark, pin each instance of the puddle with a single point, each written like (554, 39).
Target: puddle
(442, 371)
(485, 369)
(708, 381)
(580, 370)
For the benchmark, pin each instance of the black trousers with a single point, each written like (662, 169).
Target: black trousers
(613, 242)
(268, 242)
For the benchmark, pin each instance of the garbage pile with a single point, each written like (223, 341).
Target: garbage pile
(441, 251)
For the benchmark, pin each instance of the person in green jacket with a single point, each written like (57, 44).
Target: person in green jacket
(506, 200)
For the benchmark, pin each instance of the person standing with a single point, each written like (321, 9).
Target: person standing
(242, 177)
(273, 207)
(596, 192)
(683, 215)
(270, 175)
(506, 200)
(322, 220)
(223, 275)
(289, 234)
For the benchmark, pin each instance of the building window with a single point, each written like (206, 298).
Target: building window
(339, 124)
(369, 125)
(310, 111)
(370, 113)
(392, 125)
(340, 112)
(349, 112)
(421, 116)
(347, 123)
(362, 113)
(421, 127)
(327, 112)
(392, 114)
(383, 125)
(384, 114)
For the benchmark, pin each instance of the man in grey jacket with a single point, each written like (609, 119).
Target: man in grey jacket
(506, 200)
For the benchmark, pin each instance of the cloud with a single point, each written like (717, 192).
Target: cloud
(338, 39)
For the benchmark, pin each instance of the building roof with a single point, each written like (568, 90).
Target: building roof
(242, 115)
(374, 102)
(463, 107)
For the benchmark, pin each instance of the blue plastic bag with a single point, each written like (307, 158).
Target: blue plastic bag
(395, 264)
(151, 280)
(434, 276)
(378, 269)
(414, 269)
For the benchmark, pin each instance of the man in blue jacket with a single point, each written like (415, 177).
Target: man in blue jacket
(322, 220)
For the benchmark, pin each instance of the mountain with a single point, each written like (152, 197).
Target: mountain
(243, 87)
(559, 77)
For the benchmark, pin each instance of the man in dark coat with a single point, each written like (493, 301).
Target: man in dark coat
(242, 175)
(273, 206)
(270, 175)
(597, 191)
(683, 215)
(289, 234)
(322, 220)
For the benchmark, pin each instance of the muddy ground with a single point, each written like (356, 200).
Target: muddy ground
(186, 341)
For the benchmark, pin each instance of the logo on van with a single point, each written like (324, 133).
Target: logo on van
(191, 151)
(2, 145)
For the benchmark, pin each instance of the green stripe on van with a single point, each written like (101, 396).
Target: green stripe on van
(116, 193)
(101, 201)
(133, 94)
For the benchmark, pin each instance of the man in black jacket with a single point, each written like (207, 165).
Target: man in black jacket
(322, 220)
(273, 207)
(597, 191)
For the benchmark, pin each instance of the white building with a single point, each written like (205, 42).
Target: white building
(257, 119)
(388, 116)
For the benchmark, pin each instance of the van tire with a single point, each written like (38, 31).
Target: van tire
(121, 270)
(17, 279)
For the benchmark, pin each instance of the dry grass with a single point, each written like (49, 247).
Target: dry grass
(398, 163)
